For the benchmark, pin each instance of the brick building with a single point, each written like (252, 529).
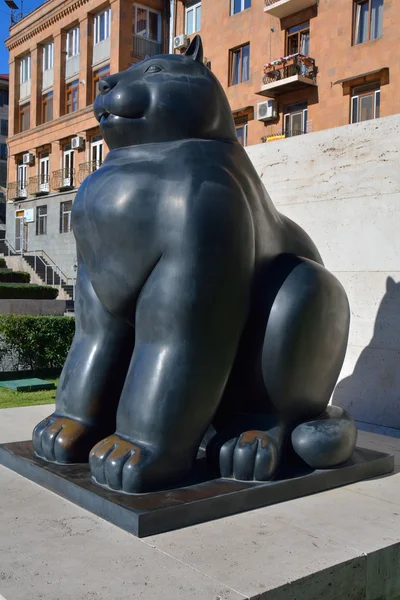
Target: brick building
(342, 67)
(58, 54)
(288, 67)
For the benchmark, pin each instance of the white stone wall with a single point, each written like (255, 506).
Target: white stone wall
(343, 186)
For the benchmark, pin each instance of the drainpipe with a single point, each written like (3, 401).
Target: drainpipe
(171, 26)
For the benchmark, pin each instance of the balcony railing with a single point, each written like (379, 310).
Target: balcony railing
(288, 74)
(39, 185)
(143, 47)
(64, 179)
(16, 191)
(284, 8)
(87, 168)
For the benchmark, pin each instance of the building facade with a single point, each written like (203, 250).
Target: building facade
(296, 66)
(58, 54)
(288, 67)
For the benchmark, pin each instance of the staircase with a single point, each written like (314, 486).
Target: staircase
(45, 269)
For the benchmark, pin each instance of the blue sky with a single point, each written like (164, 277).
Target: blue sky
(29, 5)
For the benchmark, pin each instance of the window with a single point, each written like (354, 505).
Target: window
(147, 23)
(3, 151)
(239, 65)
(365, 103)
(239, 5)
(24, 117)
(73, 42)
(68, 171)
(71, 96)
(41, 220)
(3, 97)
(22, 177)
(102, 26)
(65, 216)
(97, 77)
(47, 107)
(44, 170)
(192, 17)
(96, 152)
(4, 127)
(48, 56)
(241, 132)
(298, 39)
(368, 18)
(295, 119)
(25, 69)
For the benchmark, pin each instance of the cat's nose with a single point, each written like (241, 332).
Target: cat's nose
(105, 85)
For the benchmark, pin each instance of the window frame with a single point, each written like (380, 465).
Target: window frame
(231, 77)
(295, 109)
(41, 220)
(63, 213)
(72, 46)
(243, 7)
(375, 91)
(25, 72)
(23, 110)
(159, 22)
(97, 26)
(70, 88)
(4, 98)
(356, 25)
(45, 104)
(48, 56)
(192, 8)
(299, 30)
(98, 75)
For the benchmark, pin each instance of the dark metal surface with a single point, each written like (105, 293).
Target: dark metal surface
(199, 501)
(202, 313)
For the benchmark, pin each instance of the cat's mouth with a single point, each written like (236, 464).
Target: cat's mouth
(104, 115)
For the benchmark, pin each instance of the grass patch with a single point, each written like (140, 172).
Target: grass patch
(11, 399)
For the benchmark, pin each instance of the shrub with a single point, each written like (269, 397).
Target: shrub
(30, 292)
(14, 277)
(35, 342)
(3, 264)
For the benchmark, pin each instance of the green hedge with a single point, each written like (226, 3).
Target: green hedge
(30, 342)
(14, 277)
(30, 292)
(3, 264)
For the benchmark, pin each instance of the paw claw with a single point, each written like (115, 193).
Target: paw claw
(253, 456)
(63, 440)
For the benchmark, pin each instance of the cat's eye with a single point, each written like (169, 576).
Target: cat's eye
(153, 69)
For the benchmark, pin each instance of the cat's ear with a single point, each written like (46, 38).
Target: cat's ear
(390, 284)
(195, 49)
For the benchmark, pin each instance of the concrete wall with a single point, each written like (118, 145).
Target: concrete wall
(343, 186)
(60, 247)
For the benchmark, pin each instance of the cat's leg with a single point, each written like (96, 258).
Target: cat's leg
(91, 381)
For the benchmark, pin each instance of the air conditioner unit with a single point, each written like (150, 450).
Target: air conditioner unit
(77, 143)
(267, 110)
(181, 41)
(28, 159)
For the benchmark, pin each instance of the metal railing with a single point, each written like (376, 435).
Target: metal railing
(63, 179)
(40, 257)
(16, 191)
(143, 47)
(296, 64)
(39, 185)
(87, 168)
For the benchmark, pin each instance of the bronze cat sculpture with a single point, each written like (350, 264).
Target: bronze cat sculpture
(203, 315)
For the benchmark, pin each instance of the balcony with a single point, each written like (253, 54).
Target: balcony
(288, 74)
(284, 8)
(143, 47)
(63, 180)
(72, 66)
(88, 168)
(39, 185)
(25, 90)
(47, 79)
(16, 191)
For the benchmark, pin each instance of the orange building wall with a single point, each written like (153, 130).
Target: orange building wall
(330, 45)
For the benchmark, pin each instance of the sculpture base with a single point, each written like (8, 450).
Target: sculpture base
(199, 501)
